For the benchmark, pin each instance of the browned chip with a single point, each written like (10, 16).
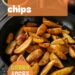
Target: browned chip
(50, 23)
(32, 48)
(66, 31)
(64, 49)
(30, 29)
(47, 68)
(57, 50)
(71, 52)
(58, 63)
(44, 60)
(64, 71)
(44, 45)
(24, 46)
(60, 41)
(54, 31)
(41, 30)
(38, 40)
(34, 55)
(35, 69)
(70, 39)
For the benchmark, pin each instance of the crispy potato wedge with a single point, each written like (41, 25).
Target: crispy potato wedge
(33, 35)
(10, 47)
(34, 55)
(41, 30)
(46, 35)
(9, 38)
(31, 48)
(38, 40)
(13, 58)
(64, 48)
(44, 45)
(31, 24)
(47, 68)
(66, 31)
(60, 41)
(35, 69)
(71, 52)
(30, 29)
(44, 60)
(23, 46)
(70, 39)
(20, 39)
(54, 31)
(58, 52)
(58, 63)
(64, 71)
(50, 23)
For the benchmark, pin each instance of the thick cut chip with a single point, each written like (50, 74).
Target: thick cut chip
(41, 30)
(71, 52)
(57, 50)
(58, 63)
(66, 31)
(44, 60)
(58, 41)
(50, 23)
(44, 45)
(70, 39)
(47, 68)
(54, 31)
(30, 29)
(31, 48)
(64, 71)
(35, 69)
(38, 40)
(34, 55)
(23, 46)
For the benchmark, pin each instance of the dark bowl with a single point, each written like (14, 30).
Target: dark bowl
(13, 25)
